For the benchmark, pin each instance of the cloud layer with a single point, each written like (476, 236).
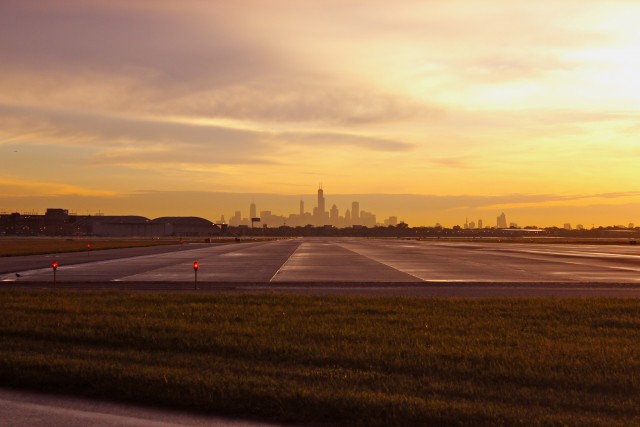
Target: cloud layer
(444, 98)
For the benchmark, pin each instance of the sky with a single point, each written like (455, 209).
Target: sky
(429, 110)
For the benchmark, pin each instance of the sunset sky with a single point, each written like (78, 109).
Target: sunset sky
(463, 107)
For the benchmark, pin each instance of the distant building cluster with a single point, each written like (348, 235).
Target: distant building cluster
(58, 222)
(319, 217)
(501, 222)
(319, 222)
(470, 225)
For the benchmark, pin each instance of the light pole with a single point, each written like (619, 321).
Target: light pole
(54, 265)
(195, 271)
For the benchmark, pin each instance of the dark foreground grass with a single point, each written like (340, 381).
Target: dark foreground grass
(339, 361)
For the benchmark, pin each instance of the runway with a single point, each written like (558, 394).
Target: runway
(350, 262)
(25, 408)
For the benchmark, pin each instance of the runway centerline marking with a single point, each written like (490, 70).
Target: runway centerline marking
(285, 263)
(380, 262)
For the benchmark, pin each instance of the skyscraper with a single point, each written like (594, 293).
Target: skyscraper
(334, 215)
(355, 213)
(252, 211)
(502, 221)
(321, 208)
(301, 208)
(320, 213)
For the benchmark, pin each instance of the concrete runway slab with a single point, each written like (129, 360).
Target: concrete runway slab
(494, 262)
(233, 262)
(326, 261)
(255, 262)
(331, 260)
(22, 263)
(23, 408)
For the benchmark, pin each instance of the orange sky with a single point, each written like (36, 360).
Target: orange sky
(463, 103)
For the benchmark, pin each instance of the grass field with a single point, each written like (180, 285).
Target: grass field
(339, 361)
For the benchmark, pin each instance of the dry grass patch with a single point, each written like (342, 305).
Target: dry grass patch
(342, 361)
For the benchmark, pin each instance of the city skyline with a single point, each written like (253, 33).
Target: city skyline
(429, 111)
(319, 216)
(415, 210)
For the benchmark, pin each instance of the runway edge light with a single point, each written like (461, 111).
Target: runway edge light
(195, 272)
(54, 265)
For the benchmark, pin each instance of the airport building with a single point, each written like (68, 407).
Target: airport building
(58, 222)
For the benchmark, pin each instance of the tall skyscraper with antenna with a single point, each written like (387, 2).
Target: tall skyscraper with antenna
(321, 208)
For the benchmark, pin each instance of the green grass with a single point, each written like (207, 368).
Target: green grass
(340, 361)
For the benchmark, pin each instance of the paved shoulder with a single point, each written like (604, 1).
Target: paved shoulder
(20, 408)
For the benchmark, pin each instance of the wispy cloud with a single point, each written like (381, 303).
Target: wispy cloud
(538, 201)
(454, 162)
(15, 187)
(129, 141)
(324, 140)
(440, 98)
(204, 65)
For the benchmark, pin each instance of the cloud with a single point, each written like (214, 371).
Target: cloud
(15, 187)
(539, 201)
(201, 61)
(453, 162)
(265, 92)
(71, 128)
(503, 67)
(145, 143)
(117, 38)
(296, 99)
(290, 97)
(322, 140)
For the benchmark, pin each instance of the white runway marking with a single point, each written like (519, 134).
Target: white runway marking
(351, 260)
(285, 263)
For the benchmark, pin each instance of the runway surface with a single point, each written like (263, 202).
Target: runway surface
(341, 260)
(385, 266)
(23, 408)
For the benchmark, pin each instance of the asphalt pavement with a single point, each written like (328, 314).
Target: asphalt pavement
(347, 266)
(24, 408)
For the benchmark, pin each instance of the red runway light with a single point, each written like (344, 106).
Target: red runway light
(54, 264)
(195, 265)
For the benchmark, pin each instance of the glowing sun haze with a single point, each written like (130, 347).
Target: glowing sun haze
(473, 106)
